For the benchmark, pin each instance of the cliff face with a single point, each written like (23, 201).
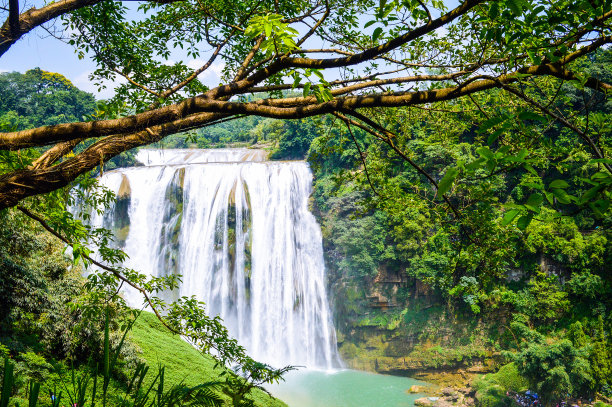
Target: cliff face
(394, 324)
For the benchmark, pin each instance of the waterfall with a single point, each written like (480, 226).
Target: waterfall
(238, 230)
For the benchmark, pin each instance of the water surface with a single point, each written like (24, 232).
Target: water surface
(344, 388)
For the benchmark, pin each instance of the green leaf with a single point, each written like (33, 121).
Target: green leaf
(318, 73)
(376, 33)
(494, 136)
(306, 89)
(515, 6)
(509, 216)
(600, 206)
(524, 221)
(562, 196)
(485, 152)
(447, 181)
(558, 183)
(534, 185)
(531, 170)
(474, 165)
(531, 116)
(601, 160)
(549, 197)
(519, 157)
(296, 81)
(494, 10)
(600, 176)
(590, 194)
(268, 29)
(369, 23)
(534, 58)
(487, 124)
(534, 201)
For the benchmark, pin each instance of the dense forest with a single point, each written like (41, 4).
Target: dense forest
(461, 179)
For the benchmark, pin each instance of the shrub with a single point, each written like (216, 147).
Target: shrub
(556, 370)
(491, 388)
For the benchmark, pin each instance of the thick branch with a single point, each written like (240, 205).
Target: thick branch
(52, 155)
(21, 184)
(14, 28)
(283, 109)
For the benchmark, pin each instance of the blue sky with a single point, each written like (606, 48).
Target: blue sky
(39, 49)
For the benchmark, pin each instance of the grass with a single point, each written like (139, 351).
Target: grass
(182, 361)
(156, 346)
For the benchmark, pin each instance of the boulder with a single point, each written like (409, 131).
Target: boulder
(442, 403)
(416, 389)
(424, 402)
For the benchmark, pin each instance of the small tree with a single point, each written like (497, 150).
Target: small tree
(555, 371)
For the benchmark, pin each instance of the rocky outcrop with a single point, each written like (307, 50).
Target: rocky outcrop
(447, 397)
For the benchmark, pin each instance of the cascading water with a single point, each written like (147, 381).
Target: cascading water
(238, 229)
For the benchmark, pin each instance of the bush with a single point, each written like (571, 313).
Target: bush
(556, 371)
(491, 389)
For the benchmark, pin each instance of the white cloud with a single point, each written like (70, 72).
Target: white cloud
(195, 63)
(212, 75)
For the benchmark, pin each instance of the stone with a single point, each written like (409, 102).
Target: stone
(424, 402)
(442, 403)
(416, 389)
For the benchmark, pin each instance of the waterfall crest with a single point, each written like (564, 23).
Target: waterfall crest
(238, 229)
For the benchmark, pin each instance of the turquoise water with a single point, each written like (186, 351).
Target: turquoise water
(344, 388)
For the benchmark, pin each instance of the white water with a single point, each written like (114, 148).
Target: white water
(239, 231)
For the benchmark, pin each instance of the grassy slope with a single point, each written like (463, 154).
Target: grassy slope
(182, 361)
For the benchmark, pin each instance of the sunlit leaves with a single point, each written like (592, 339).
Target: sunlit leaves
(279, 36)
(320, 90)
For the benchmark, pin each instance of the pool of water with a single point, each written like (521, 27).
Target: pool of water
(344, 388)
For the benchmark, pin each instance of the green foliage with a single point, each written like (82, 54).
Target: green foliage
(522, 245)
(39, 98)
(295, 139)
(556, 370)
(491, 389)
(279, 37)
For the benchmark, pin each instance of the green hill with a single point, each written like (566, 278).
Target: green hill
(182, 361)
